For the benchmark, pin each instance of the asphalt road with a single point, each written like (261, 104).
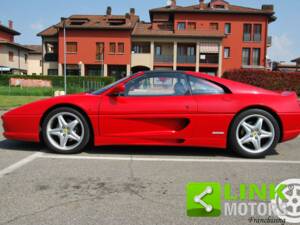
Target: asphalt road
(124, 185)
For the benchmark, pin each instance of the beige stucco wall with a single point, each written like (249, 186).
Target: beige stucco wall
(169, 47)
(142, 59)
(34, 64)
(18, 59)
(49, 65)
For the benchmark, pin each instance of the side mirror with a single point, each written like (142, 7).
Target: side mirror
(118, 90)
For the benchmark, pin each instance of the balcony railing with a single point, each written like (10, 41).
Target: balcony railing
(51, 57)
(163, 58)
(186, 59)
(210, 59)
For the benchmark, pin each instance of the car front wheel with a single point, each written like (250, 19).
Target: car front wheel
(254, 133)
(65, 130)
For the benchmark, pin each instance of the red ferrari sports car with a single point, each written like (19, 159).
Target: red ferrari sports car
(161, 108)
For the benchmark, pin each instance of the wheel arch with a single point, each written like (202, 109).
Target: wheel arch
(75, 107)
(265, 108)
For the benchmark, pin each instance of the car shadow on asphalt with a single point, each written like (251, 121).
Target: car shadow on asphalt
(129, 150)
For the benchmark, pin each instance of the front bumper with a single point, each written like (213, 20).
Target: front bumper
(20, 127)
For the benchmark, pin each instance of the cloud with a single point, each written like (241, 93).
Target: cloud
(37, 26)
(282, 48)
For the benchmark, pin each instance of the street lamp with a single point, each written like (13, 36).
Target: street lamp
(65, 56)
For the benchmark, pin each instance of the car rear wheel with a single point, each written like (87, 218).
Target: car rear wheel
(254, 133)
(65, 130)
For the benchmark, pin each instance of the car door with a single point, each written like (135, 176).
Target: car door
(155, 108)
(214, 114)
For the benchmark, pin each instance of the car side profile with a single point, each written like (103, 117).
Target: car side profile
(161, 108)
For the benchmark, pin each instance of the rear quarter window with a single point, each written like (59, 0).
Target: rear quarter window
(201, 86)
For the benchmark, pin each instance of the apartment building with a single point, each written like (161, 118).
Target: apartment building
(13, 56)
(34, 66)
(209, 37)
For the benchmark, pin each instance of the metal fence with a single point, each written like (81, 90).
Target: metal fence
(72, 87)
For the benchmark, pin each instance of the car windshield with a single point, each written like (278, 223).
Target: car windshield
(100, 91)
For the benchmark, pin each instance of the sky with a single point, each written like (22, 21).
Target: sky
(32, 16)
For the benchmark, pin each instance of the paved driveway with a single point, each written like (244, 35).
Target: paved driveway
(124, 185)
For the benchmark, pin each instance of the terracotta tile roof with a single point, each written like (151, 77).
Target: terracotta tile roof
(4, 42)
(145, 29)
(8, 30)
(94, 22)
(35, 49)
(207, 9)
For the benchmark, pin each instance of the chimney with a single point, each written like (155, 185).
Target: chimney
(267, 8)
(201, 4)
(10, 24)
(127, 16)
(173, 4)
(132, 11)
(108, 11)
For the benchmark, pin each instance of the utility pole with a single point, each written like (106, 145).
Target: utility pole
(65, 57)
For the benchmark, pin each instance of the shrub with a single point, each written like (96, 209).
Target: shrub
(276, 81)
(75, 84)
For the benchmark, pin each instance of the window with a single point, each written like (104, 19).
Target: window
(120, 47)
(256, 56)
(200, 86)
(99, 51)
(158, 50)
(51, 47)
(246, 56)
(71, 47)
(219, 6)
(52, 72)
(112, 48)
(257, 32)
(214, 26)
(142, 47)
(247, 32)
(191, 25)
(11, 56)
(181, 26)
(227, 28)
(25, 58)
(191, 51)
(160, 84)
(226, 52)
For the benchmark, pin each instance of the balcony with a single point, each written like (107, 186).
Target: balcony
(209, 58)
(186, 59)
(163, 59)
(50, 57)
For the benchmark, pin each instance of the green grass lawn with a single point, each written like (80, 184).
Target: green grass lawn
(7, 102)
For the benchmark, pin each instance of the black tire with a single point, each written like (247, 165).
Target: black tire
(233, 142)
(83, 126)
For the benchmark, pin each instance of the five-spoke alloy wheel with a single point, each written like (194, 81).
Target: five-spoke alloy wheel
(65, 130)
(254, 133)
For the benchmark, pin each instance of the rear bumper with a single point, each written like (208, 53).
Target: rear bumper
(290, 125)
(21, 127)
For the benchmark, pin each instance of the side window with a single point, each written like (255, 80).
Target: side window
(161, 84)
(200, 86)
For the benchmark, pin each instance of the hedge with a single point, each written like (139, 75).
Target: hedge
(58, 81)
(276, 81)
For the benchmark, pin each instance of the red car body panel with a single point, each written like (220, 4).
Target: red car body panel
(195, 120)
